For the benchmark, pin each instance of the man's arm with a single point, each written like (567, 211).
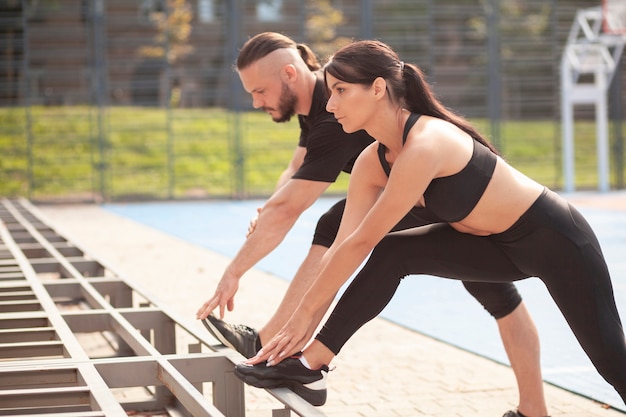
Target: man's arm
(296, 162)
(275, 219)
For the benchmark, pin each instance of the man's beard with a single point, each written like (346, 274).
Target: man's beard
(286, 105)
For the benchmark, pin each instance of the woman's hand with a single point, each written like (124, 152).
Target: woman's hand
(290, 339)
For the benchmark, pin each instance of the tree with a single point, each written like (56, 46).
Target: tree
(321, 28)
(171, 42)
(173, 31)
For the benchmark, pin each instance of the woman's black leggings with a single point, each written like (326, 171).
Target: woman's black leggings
(498, 298)
(551, 241)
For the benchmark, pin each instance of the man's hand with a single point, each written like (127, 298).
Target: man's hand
(253, 221)
(224, 297)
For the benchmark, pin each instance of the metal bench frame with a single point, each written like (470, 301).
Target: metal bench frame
(77, 339)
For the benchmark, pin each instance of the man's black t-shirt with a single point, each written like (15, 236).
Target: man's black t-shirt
(329, 150)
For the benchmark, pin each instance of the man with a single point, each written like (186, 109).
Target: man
(284, 80)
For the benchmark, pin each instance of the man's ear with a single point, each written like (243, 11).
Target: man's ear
(379, 86)
(289, 73)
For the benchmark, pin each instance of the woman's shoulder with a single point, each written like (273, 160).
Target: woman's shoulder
(368, 163)
(370, 152)
(435, 131)
(430, 124)
(438, 144)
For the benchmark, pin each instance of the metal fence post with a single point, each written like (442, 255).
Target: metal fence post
(494, 82)
(99, 79)
(617, 111)
(431, 38)
(169, 146)
(367, 19)
(237, 152)
(26, 99)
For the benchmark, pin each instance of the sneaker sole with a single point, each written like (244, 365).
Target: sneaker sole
(313, 397)
(216, 333)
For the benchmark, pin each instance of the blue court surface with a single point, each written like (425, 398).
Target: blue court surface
(436, 307)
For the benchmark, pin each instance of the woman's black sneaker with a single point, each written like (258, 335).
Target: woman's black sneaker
(290, 373)
(239, 337)
(513, 413)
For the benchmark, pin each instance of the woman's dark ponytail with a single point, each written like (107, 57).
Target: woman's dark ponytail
(420, 98)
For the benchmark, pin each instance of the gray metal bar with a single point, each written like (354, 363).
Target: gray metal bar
(69, 414)
(32, 349)
(38, 378)
(45, 397)
(26, 335)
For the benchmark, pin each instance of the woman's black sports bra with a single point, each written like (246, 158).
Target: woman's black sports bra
(451, 198)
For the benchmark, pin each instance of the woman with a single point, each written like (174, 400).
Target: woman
(492, 223)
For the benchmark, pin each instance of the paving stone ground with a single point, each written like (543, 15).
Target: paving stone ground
(385, 369)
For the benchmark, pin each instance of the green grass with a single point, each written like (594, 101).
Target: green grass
(136, 152)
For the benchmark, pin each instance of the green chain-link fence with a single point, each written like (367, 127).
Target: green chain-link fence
(108, 100)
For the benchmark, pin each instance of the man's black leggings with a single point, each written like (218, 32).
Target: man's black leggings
(498, 298)
(551, 241)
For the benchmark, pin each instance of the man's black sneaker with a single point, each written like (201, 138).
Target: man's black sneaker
(514, 413)
(290, 373)
(239, 337)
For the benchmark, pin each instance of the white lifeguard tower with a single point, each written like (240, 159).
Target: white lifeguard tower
(594, 48)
